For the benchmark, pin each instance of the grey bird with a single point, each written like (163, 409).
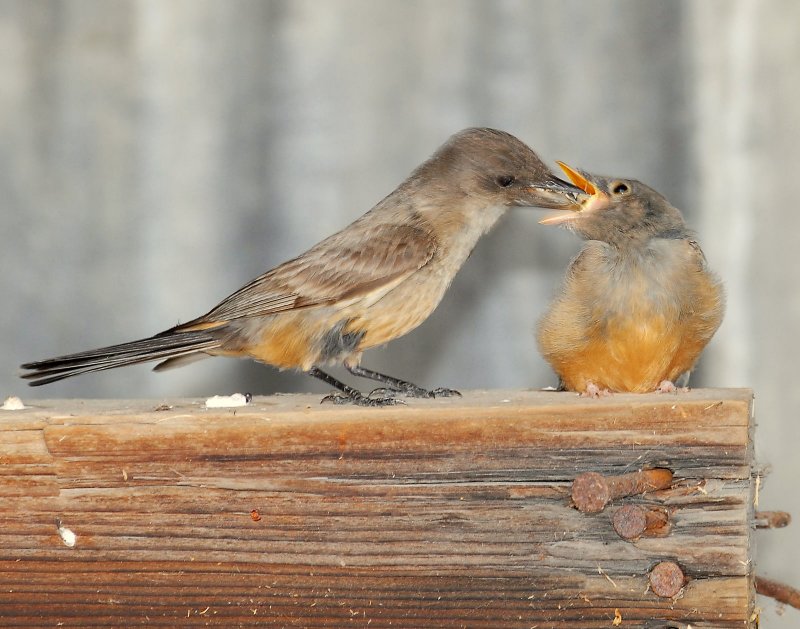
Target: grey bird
(373, 281)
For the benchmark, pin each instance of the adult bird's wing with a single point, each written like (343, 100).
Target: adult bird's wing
(339, 269)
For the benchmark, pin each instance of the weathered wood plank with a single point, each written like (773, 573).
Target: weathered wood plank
(452, 513)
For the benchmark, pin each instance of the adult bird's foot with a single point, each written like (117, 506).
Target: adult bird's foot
(397, 386)
(593, 391)
(667, 386)
(444, 392)
(360, 400)
(414, 391)
(419, 392)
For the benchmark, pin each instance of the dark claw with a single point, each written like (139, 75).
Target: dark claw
(335, 398)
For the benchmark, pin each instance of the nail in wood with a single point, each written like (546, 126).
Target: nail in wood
(772, 519)
(633, 521)
(667, 579)
(591, 492)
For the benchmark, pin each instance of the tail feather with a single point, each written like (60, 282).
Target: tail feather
(159, 347)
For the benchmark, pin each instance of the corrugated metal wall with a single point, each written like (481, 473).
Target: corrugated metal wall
(156, 155)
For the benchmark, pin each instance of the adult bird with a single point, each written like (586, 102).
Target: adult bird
(375, 280)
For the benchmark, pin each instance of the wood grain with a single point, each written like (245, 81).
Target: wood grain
(443, 513)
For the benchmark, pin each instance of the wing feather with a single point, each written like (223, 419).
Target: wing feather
(340, 268)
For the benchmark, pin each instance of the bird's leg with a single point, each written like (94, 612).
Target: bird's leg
(401, 386)
(348, 394)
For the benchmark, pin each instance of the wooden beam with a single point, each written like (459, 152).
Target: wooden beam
(441, 513)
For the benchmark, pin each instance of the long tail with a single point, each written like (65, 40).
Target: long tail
(163, 346)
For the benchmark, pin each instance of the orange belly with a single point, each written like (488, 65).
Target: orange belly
(286, 341)
(297, 339)
(630, 356)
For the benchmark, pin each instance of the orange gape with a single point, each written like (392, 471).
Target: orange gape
(375, 280)
(638, 304)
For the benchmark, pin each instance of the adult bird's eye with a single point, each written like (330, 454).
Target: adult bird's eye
(504, 181)
(620, 188)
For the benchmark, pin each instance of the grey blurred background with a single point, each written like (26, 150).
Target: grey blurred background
(156, 155)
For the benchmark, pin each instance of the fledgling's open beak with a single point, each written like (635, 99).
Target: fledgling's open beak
(578, 178)
(553, 193)
(591, 198)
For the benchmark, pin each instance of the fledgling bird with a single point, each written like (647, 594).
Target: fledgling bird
(375, 280)
(638, 303)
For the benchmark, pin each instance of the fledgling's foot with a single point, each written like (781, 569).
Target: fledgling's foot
(360, 400)
(593, 391)
(667, 386)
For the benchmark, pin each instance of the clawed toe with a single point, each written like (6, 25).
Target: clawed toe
(416, 392)
(378, 401)
(336, 398)
(419, 392)
(593, 391)
(443, 392)
(667, 386)
(361, 400)
(382, 392)
(382, 396)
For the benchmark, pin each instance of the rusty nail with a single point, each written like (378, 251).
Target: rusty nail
(632, 521)
(591, 492)
(780, 592)
(772, 519)
(629, 521)
(667, 579)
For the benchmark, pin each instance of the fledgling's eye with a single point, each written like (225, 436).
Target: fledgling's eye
(504, 181)
(620, 188)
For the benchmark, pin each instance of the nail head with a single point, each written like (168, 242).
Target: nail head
(629, 521)
(667, 579)
(590, 492)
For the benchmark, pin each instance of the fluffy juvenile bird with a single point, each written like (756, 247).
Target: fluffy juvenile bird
(375, 280)
(639, 303)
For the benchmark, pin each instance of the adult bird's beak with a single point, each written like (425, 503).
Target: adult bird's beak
(552, 193)
(590, 198)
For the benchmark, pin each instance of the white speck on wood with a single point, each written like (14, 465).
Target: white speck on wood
(227, 401)
(12, 403)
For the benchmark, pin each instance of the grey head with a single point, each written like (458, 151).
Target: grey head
(497, 168)
(619, 211)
